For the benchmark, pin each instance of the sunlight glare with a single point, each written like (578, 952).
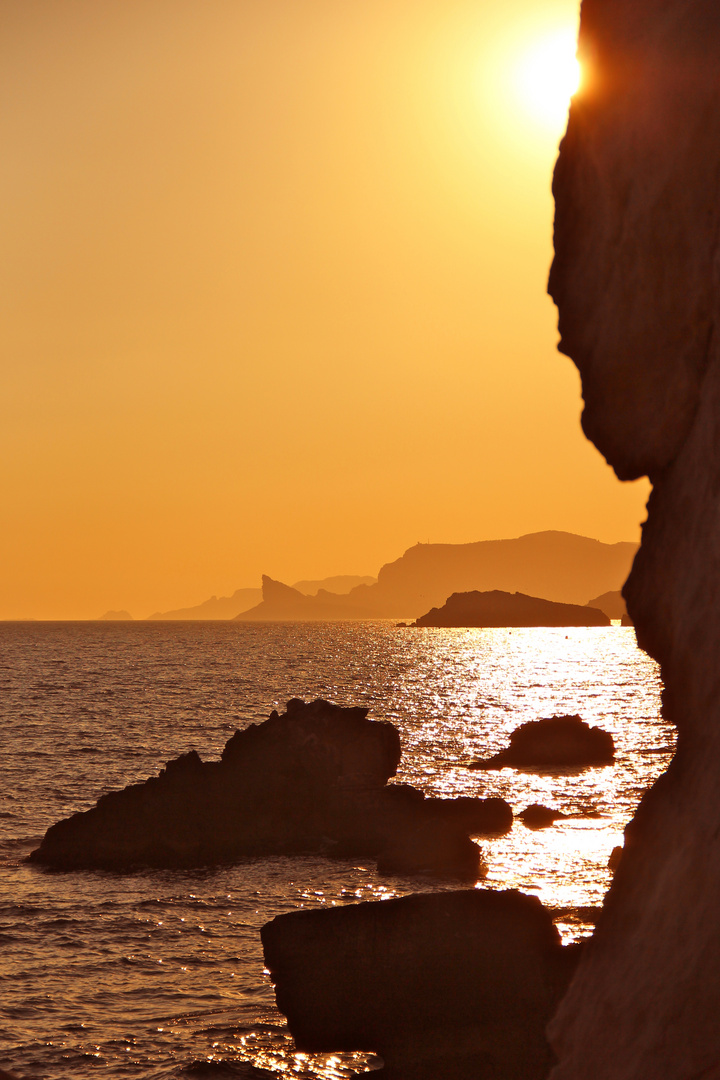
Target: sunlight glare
(547, 74)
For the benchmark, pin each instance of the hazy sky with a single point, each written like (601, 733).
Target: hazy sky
(273, 291)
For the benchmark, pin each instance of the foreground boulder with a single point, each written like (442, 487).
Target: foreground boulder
(311, 780)
(557, 742)
(500, 609)
(450, 985)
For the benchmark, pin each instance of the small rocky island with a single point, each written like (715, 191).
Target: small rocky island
(498, 609)
(555, 742)
(312, 780)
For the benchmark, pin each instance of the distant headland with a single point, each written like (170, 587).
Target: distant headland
(557, 566)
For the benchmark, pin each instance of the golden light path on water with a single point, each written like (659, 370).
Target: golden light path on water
(499, 679)
(167, 966)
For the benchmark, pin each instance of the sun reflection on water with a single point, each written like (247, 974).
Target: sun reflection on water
(494, 680)
(455, 696)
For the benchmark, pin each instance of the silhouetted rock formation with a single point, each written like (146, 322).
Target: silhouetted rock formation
(115, 616)
(450, 986)
(612, 603)
(556, 742)
(281, 602)
(311, 780)
(222, 607)
(242, 600)
(509, 609)
(636, 282)
(537, 816)
(554, 565)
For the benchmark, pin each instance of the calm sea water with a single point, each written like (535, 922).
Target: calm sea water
(160, 974)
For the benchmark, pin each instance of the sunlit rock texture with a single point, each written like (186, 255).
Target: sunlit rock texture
(635, 278)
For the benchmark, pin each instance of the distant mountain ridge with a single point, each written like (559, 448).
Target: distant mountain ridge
(552, 565)
(283, 603)
(222, 607)
(228, 607)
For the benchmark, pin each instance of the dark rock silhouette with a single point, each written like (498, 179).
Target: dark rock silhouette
(456, 985)
(509, 609)
(556, 742)
(554, 565)
(115, 616)
(636, 282)
(614, 858)
(537, 816)
(311, 780)
(432, 848)
(612, 603)
(477, 817)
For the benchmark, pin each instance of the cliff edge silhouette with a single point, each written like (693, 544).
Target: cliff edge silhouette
(636, 282)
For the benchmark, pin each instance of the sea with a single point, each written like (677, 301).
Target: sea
(160, 974)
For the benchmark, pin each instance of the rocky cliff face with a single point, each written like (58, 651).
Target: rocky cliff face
(635, 279)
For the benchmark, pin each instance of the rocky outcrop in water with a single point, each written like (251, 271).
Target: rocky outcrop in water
(311, 780)
(555, 742)
(456, 985)
(499, 609)
(537, 816)
(636, 281)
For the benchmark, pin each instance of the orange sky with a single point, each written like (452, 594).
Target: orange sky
(273, 290)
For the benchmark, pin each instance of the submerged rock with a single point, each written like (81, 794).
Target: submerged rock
(311, 780)
(450, 985)
(500, 609)
(556, 742)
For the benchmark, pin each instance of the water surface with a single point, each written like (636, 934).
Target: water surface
(157, 974)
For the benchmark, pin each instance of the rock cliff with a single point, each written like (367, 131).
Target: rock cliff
(557, 566)
(635, 278)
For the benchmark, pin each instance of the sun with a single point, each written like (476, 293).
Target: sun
(546, 75)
